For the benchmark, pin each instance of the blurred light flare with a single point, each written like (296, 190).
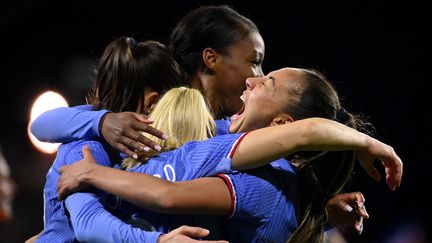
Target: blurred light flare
(47, 101)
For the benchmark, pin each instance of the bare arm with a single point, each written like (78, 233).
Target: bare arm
(201, 196)
(315, 134)
(261, 146)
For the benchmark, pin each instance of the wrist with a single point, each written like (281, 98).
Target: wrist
(89, 174)
(101, 124)
(367, 143)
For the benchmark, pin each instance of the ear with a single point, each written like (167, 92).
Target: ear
(281, 118)
(150, 99)
(211, 59)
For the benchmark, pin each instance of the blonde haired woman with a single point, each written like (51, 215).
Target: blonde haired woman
(183, 113)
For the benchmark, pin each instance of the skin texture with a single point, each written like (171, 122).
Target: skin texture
(264, 99)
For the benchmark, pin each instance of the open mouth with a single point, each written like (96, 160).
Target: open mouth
(240, 112)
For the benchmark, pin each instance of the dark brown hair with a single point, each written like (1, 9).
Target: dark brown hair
(127, 68)
(321, 175)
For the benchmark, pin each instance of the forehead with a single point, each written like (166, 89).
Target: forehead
(287, 77)
(251, 45)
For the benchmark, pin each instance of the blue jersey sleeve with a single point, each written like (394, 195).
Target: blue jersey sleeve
(194, 159)
(263, 204)
(62, 125)
(97, 149)
(92, 223)
(57, 227)
(212, 156)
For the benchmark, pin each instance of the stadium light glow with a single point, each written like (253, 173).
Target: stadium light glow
(46, 101)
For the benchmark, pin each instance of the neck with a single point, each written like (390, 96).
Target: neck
(205, 84)
(196, 83)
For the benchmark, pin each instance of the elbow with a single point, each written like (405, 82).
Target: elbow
(35, 129)
(82, 235)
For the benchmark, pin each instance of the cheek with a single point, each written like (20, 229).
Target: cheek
(237, 75)
(235, 82)
(266, 106)
(259, 117)
(245, 73)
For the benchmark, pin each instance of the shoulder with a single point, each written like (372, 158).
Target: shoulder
(222, 141)
(74, 145)
(73, 150)
(84, 107)
(225, 138)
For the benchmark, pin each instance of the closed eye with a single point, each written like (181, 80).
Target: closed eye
(256, 62)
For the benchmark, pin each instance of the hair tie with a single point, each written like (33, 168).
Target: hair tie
(131, 42)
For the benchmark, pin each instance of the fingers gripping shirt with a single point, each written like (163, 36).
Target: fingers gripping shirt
(57, 225)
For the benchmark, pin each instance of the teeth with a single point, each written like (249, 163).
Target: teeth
(242, 98)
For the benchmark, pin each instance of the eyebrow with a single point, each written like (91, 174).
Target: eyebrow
(273, 80)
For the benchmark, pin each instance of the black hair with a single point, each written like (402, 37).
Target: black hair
(216, 27)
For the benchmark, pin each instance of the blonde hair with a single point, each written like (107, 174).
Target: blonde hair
(183, 113)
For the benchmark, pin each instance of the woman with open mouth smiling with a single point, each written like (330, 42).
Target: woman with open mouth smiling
(271, 203)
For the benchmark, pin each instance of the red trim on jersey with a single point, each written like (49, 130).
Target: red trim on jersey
(234, 147)
(230, 186)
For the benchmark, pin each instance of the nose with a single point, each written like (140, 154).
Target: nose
(251, 83)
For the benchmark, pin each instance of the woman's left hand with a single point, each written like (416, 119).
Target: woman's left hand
(386, 154)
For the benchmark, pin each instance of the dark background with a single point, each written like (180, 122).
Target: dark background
(375, 53)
